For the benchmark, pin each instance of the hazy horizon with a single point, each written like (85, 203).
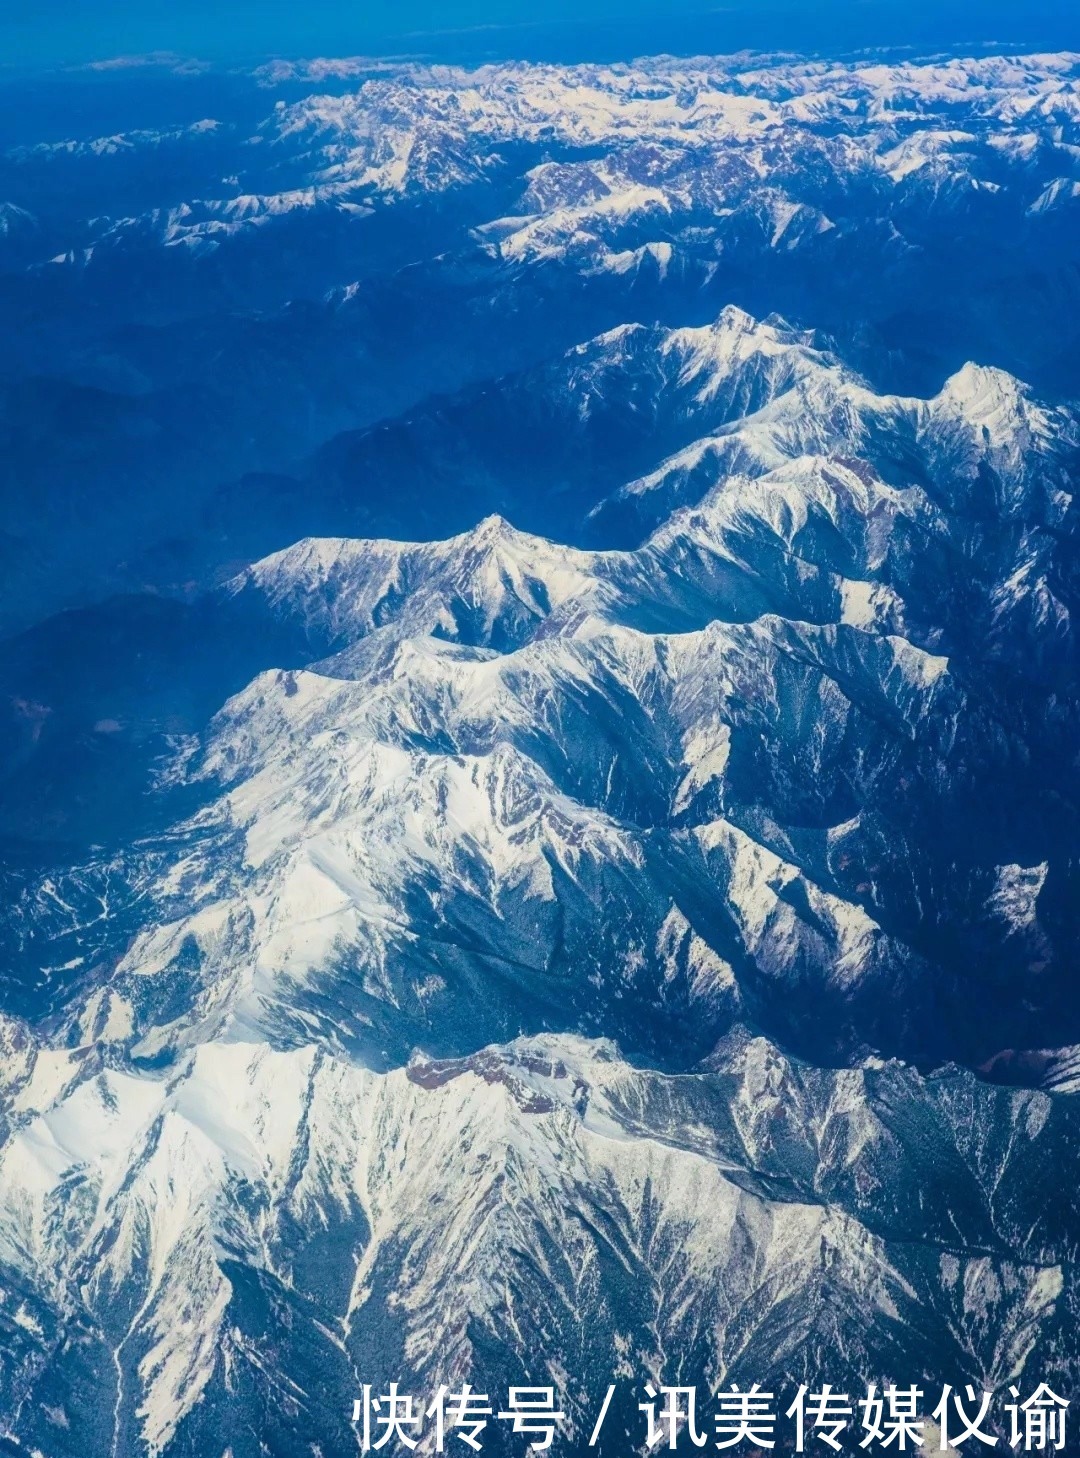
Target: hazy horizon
(64, 34)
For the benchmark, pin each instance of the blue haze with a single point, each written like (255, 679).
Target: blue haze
(71, 32)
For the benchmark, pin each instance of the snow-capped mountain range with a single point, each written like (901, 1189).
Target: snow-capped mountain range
(347, 1075)
(561, 864)
(330, 249)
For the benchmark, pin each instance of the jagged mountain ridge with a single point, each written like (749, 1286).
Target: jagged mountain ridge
(629, 425)
(277, 279)
(758, 741)
(576, 1198)
(981, 445)
(821, 570)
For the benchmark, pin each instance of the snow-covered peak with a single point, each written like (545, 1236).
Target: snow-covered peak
(712, 355)
(15, 221)
(492, 583)
(1057, 194)
(986, 397)
(987, 415)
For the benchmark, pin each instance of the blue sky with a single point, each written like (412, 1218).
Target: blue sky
(46, 32)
